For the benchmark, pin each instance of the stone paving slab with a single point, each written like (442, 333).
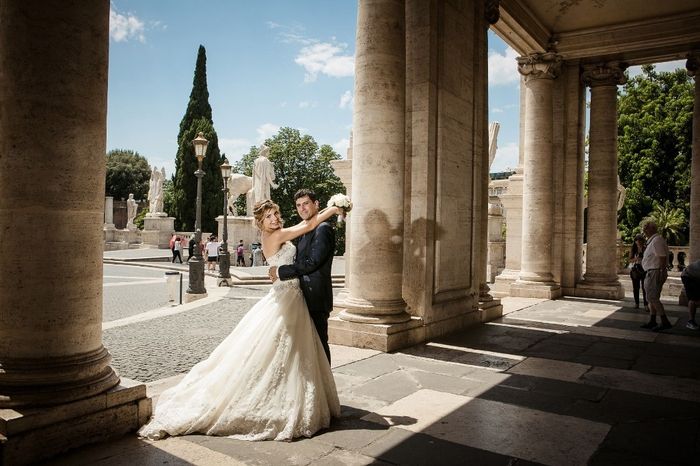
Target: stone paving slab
(484, 396)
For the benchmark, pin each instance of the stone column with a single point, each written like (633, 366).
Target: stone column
(53, 106)
(693, 66)
(600, 279)
(535, 279)
(376, 229)
(489, 307)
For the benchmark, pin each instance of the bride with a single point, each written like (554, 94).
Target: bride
(270, 378)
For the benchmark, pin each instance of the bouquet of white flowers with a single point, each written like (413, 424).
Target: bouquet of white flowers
(342, 201)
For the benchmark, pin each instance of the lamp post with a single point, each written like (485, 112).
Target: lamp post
(225, 257)
(196, 264)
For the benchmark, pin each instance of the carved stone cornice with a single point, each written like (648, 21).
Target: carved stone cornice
(693, 64)
(492, 11)
(539, 66)
(604, 74)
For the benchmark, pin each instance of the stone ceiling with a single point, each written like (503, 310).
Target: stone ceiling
(634, 31)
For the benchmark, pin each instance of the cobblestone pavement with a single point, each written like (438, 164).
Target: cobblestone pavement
(167, 345)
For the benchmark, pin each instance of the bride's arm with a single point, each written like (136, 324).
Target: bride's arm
(305, 226)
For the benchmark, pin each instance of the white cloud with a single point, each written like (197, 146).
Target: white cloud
(325, 58)
(234, 147)
(503, 69)
(665, 66)
(266, 130)
(341, 147)
(506, 158)
(346, 100)
(307, 104)
(283, 104)
(127, 27)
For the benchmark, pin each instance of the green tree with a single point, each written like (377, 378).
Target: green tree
(127, 173)
(670, 222)
(299, 163)
(654, 146)
(198, 117)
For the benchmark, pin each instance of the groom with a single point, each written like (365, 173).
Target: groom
(312, 266)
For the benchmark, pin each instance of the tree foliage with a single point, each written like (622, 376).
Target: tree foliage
(299, 163)
(198, 117)
(670, 222)
(654, 147)
(127, 173)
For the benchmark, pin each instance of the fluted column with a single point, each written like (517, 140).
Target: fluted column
(375, 265)
(53, 105)
(693, 66)
(601, 265)
(535, 279)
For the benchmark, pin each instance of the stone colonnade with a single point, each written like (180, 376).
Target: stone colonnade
(53, 104)
(417, 254)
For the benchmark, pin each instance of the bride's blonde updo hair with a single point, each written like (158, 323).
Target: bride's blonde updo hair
(262, 208)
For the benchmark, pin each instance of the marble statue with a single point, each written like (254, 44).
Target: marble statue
(263, 176)
(155, 191)
(131, 208)
(494, 126)
(621, 192)
(239, 184)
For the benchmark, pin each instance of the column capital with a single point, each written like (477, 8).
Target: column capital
(539, 65)
(492, 13)
(604, 74)
(693, 63)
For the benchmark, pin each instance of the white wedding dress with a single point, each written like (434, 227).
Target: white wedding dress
(268, 380)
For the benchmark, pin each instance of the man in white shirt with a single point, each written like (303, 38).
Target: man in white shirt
(654, 263)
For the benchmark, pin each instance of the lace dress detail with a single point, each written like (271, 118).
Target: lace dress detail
(268, 380)
(284, 256)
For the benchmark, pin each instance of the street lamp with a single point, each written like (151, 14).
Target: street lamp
(196, 265)
(225, 257)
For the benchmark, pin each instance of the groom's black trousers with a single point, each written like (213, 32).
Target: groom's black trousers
(321, 324)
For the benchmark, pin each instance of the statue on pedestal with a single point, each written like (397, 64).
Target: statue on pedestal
(155, 191)
(263, 176)
(131, 209)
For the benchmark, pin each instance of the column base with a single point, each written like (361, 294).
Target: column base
(35, 434)
(527, 289)
(224, 281)
(364, 311)
(381, 337)
(502, 283)
(490, 310)
(189, 297)
(610, 290)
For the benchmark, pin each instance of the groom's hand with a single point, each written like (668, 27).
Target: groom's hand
(272, 273)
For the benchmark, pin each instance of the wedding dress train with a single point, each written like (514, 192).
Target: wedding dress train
(268, 380)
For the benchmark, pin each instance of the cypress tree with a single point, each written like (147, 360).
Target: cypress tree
(197, 118)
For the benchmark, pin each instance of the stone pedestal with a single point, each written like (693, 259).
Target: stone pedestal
(157, 231)
(512, 202)
(496, 245)
(239, 228)
(98, 418)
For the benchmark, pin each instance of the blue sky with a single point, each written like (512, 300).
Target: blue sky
(270, 63)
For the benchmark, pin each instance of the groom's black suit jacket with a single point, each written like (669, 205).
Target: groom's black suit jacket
(313, 268)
